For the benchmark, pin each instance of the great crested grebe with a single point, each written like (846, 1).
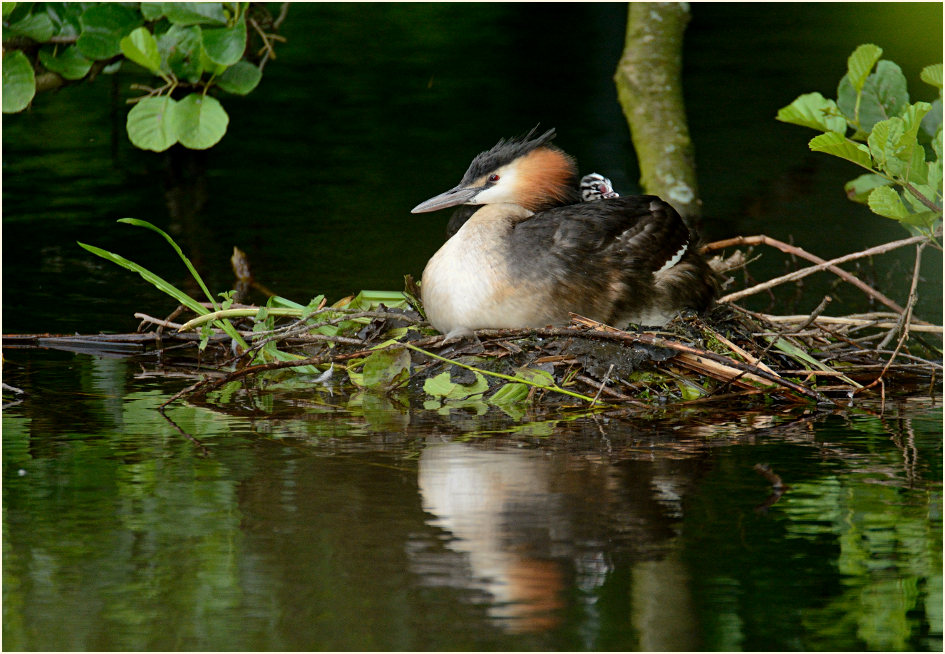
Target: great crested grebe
(531, 252)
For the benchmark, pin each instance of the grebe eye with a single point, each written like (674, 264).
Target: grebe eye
(493, 178)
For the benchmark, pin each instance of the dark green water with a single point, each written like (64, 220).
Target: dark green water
(300, 519)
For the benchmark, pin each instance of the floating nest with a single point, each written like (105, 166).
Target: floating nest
(730, 354)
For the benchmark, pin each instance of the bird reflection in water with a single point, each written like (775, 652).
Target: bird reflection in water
(530, 532)
(502, 511)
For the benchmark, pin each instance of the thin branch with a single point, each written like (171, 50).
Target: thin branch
(283, 12)
(804, 272)
(916, 326)
(606, 390)
(787, 248)
(904, 322)
(143, 317)
(921, 198)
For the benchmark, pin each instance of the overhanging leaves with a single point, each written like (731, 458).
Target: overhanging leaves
(860, 188)
(240, 78)
(815, 111)
(932, 75)
(142, 48)
(19, 83)
(103, 27)
(194, 13)
(200, 121)
(839, 146)
(860, 63)
(225, 45)
(67, 61)
(151, 124)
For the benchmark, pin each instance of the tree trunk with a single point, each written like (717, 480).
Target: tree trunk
(649, 88)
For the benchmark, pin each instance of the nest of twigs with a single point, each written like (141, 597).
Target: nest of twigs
(728, 354)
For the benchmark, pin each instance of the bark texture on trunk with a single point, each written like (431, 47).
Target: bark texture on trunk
(649, 88)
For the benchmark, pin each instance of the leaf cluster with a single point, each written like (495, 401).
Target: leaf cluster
(190, 47)
(873, 125)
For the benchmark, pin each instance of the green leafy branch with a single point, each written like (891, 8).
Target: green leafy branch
(190, 47)
(899, 143)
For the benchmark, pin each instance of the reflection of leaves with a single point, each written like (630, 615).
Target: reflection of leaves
(875, 530)
(381, 412)
(145, 483)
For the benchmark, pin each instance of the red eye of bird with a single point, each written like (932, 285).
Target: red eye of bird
(493, 178)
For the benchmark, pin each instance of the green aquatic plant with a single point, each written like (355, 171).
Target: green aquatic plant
(165, 286)
(190, 48)
(873, 125)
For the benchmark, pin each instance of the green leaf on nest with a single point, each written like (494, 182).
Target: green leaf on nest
(386, 370)
(442, 387)
(510, 393)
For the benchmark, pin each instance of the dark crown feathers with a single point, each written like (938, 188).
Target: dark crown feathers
(504, 152)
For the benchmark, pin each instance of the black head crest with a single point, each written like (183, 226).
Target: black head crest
(504, 152)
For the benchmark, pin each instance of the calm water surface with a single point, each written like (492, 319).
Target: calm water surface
(358, 525)
(302, 518)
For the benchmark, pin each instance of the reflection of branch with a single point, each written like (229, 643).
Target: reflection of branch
(183, 433)
(777, 486)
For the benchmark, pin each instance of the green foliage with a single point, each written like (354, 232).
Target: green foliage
(68, 62)
(151, 124)
(383, 371)
(103, 27)
(19, 84)
(200, 121)
(898, 142)
(193, 48)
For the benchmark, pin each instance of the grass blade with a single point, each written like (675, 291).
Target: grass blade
(180, 253)
(158, 282)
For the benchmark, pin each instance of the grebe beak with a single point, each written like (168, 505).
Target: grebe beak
(451, 198)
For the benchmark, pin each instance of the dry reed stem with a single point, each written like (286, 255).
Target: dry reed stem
(854, 322)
